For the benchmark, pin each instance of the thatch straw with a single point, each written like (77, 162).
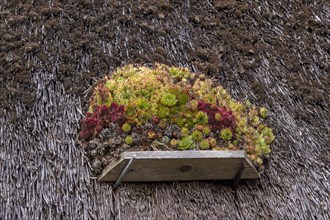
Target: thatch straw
(43, 171)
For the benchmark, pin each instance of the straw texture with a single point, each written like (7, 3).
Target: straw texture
(64, 47)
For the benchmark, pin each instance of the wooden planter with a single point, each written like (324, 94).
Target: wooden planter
(156, 166)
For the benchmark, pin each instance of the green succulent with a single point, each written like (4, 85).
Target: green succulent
(255, 120)
(125, 96)
(103, 96)
(180, 95)
(126, 127)
(183, 98)
(217, 116)
(175, 72)
(142, 104)
(162, 124)
(173, 142)
(110, 84)
(180, 121)
(189, 122)
(168, 99)
(259, 161)
(226, 134)
(197, 135)
(213, 142)
(193, 104)
(236, 106)
(184, 131)
(163, 111)
(206, 130)
(144, 116)
(268, 135)
(129, 140)
(185, 143)
(204, 145)
(152, 134)
(174, 110)
(130, 112)
(262, 148)
(201, 76)
(201, 118)
(165, 139)
(263, 112)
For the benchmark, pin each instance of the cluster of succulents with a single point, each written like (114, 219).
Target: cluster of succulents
(170, 108)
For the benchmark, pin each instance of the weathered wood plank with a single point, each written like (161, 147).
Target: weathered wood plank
(150, 166)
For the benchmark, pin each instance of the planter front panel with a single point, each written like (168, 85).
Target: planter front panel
(156, 166)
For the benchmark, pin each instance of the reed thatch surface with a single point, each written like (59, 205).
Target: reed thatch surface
(276, 53)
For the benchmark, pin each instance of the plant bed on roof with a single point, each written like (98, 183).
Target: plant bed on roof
(164, 108)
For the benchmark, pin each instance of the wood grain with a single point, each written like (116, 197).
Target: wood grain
(156, 166)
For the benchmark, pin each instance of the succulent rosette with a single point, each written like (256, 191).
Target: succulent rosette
(171, 108)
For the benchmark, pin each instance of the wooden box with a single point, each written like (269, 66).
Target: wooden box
(156, 166)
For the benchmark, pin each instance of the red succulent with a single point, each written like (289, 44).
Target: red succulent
(94, 122)
(87, 127)
(117, 113)
(227, 119)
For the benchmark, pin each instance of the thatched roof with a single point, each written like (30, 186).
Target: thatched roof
(273, 52)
